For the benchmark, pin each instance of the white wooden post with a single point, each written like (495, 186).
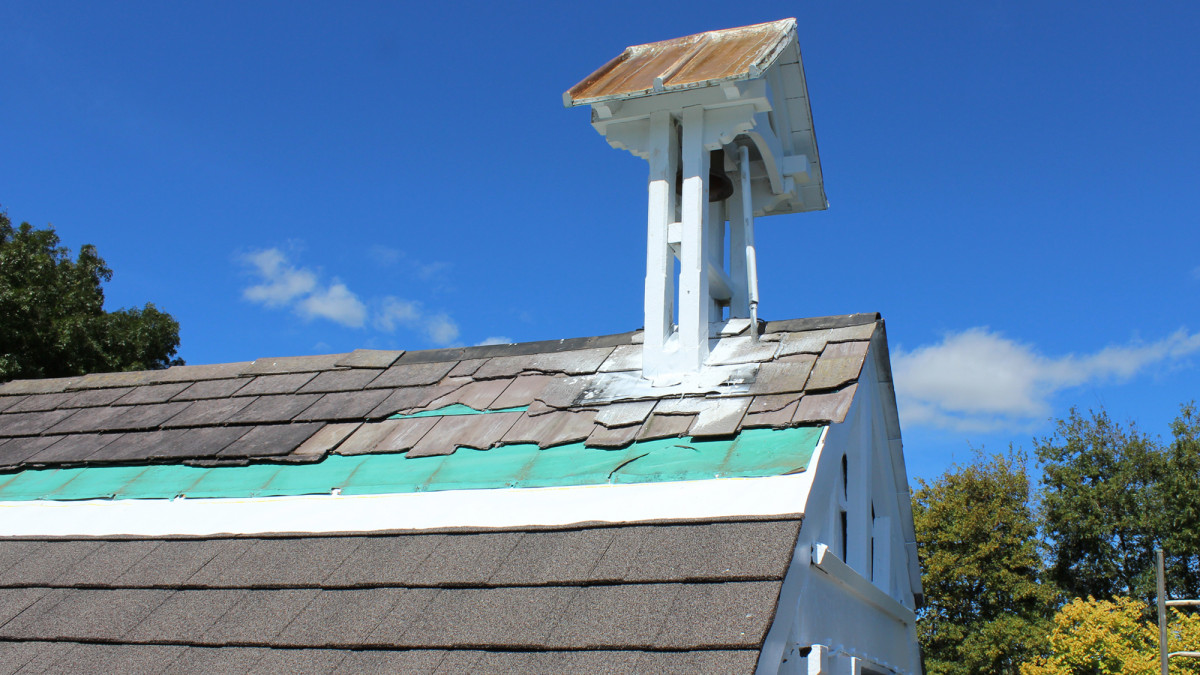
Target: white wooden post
(739, 305)
(694, 300)
(660, 262)
(747, 228)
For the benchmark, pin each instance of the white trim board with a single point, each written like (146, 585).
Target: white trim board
(512, 507)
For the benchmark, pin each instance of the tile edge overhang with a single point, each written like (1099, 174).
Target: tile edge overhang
(500, 508)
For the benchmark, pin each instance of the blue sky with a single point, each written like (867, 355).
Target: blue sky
(1012, 184)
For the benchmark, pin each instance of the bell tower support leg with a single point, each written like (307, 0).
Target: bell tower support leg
(660, 261)
(746, 225)
(694, 298)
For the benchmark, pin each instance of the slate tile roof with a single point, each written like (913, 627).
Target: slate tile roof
(694, 597)
(300, 409)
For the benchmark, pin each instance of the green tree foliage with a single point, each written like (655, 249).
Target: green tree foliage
(1103, 637)
(1100, 489)
(986, 605)
(52, 318)
(1178, 506)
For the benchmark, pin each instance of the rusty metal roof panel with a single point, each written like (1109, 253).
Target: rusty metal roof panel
(686, 62)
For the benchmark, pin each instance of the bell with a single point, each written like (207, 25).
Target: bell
(720, 187)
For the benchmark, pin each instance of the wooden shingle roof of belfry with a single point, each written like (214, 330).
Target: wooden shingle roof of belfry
(301, 409)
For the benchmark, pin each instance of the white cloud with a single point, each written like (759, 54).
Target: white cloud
(494, 340)
(979, 380)
(301, 289)
(281, 283)
(396, 312)
(336, 303)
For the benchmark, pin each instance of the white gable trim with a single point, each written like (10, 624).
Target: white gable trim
(515, 507)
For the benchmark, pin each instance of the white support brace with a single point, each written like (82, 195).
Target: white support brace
(660, 261)
(694, 301)
(747, 228)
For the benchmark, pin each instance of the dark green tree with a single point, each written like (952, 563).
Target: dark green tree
(1100, 506)
(1178, 505)
(52, 318)
(987, 608)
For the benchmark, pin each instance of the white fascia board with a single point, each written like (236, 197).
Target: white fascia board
(503, 508)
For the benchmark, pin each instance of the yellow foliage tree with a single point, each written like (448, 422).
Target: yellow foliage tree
(1102, 637)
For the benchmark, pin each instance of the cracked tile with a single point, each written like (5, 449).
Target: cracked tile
(839, 364)
(623, 358)
(624, 413)
(556, 428)
(722, 418)
(472, 431)
(617, 437)
(827, 407)
(666, 426)
(522, 391)
(412, 375)
(576, 362)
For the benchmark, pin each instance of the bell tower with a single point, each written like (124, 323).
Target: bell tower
(723, 119)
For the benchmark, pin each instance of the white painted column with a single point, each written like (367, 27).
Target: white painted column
(739, 306)
(660, 262)
(694, 300)
(749, 255)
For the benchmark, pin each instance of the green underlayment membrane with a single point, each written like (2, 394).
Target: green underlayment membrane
(752, 453)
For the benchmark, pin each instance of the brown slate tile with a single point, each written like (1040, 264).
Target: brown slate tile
(210, 389)
(624, 413)
(293, 364)
(72, 449)
(555, 428)
(681, 405)
(479, 395)
(563, 392)
(153, 393)
(43, 386)
(522, 390)
(90, 398)
(775, 419)
(7, 402)
(275, 384)
(412, 375)
(324, 441)
(26, 424)
(578, 362)
(466, 368)
(38, 402)
(473, 431)
(723, 417)
(825, 407)
(273, 408)
(617, 437)
(839, 364)
(783, 375)
(409, 399)
(369, 358)
(344, 405)
(623, 358)
(209, 412)
(340, 380)
(16, 450)
(813, 342)
(273, 440)
(665, 426)
(215, 371)
(387, 436)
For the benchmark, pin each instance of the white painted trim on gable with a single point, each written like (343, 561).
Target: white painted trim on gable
(513, 507)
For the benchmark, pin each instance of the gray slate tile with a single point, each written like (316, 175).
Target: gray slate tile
(119, 658)
(369, 358)
(7, 402)
(275, 384)
(91, 398)
(41, 402)
(346, 405)
(215, 371)
(706, 661)
(412, 375)
(40, 660)
(146, 416)
(44, 386)
(578, 362)
(723, 417)
(783, 375)
(273, 440)
(293, 364)
(199, 442)
(152, 393)
(30, 423)
(563, 392)
(744, 349)
(71, 449)
(266, 409)
(197, 660)
(298, 662)
(14, 601)
(466, 368)
(132, 378)
(408, 399)
(384, 662)
(624, 413)
(209, 412)
(13, 451)
(209, 389)
(340, 380)
(137, 445)
(623, 358)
